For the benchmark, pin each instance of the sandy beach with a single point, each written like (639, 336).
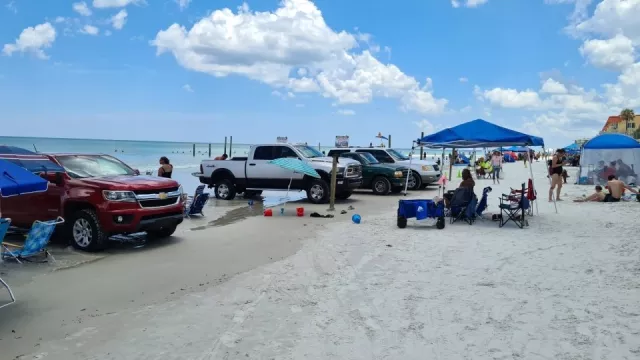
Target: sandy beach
(251, 287)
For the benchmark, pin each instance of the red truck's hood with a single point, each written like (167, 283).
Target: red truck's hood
(125, 182)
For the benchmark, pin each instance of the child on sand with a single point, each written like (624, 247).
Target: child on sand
(597, 196)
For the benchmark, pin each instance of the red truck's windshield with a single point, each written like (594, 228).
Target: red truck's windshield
(87, 166)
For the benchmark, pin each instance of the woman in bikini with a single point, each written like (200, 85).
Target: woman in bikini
(555, 170)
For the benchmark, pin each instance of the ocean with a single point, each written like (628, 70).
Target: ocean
(141, 155)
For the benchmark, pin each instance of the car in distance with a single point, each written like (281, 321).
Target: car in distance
(380, 178)
(423, 172)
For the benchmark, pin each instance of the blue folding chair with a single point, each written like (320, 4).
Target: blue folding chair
(4, 227)
(34, 245)
(195, 204)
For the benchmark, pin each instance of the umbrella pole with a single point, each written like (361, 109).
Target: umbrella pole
(444, 183)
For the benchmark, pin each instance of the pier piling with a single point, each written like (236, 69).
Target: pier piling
(194, 150)
(389, 142)
(209, 149)
(230, 146)
(225, 145)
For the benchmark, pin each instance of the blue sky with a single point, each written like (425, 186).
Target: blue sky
(199, 70)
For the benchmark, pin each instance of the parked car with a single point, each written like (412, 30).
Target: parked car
(423, 172)
(99, 196)
(379, 177)
(254, 173)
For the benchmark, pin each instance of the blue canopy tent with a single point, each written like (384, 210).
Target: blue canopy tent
(28, 160)
(479, 134)
(572, 149)
(617, 152)
(516, 149)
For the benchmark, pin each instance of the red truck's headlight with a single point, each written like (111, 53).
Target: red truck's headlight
(123, 196)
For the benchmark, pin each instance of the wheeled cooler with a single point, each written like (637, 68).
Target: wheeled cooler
(420, 209)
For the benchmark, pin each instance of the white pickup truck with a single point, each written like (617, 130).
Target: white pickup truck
(424, 172)
(253, 174)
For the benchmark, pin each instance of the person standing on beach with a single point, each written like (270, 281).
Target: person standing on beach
(221, 157)
(555, 170)
(496, 163)
(166, 168)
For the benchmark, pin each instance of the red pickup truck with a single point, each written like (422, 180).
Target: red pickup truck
(98, 196)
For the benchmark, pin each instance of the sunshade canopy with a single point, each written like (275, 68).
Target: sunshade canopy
(15, 180)
(612, 141)
(479, 133)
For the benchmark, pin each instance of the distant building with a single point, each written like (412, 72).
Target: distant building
(615, 124)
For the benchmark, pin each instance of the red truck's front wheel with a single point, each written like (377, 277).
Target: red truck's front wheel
(85, 231)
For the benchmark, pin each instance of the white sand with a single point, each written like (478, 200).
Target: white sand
(566, 287)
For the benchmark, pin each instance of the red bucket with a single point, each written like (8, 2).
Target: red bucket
(300, 211)
(268, 212)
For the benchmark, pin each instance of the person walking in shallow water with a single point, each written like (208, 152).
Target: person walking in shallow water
(166, 168)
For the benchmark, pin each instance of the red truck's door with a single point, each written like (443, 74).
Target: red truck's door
(27, 208)
(13, 208)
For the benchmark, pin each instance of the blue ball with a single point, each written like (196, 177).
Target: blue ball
(356, 218)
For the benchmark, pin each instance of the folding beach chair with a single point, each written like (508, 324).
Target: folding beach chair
(483, 203)
(531, 194)
(195, 204)
(514, 208)
(4, 227)
(463, 206)
(34, 245)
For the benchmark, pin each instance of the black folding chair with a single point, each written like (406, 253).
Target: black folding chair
(513, 207)
(463, 206)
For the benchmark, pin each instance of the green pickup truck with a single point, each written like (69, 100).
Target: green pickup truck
(379, 177)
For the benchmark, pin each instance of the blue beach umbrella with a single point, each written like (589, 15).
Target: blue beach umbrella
(15, 180)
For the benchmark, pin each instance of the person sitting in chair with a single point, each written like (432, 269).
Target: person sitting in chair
(467, 180)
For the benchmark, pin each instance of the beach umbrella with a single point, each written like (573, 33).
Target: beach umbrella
(15, 180)
(296, 166)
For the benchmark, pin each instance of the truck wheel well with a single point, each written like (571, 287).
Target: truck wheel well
(323, 175)
(221, 174)
(73, 207)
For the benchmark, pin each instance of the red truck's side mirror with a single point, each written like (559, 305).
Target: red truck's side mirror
(52, 177)
(136, 171)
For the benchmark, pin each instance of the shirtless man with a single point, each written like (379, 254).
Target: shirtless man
(616, 189)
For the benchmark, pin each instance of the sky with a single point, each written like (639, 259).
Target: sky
(199, 70)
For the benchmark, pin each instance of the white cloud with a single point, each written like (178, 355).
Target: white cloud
(118, 20)
(59, 20)
(463, 80)
(346, 112)
(183, 4)
(613, 17)
(511, 98)
(187, 88)
(468, 3)
(81, 8)
(104, 4)
(551, 86)
(425, 126)
(271, 47)
(616, 53)
(33, 40)
(90, 30)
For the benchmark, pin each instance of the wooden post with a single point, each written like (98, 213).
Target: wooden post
(334, 174)
(209, 149)
(421, 147)
(194, 150)
(319, 147)
(225, 145)
(230, 146)
(389, 147)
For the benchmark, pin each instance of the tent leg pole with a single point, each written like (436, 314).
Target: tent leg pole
(533, 182)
